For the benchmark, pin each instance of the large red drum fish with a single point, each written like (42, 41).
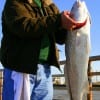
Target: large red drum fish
(77, 49)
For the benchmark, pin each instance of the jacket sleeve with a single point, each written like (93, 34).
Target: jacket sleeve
(60, 36)
(21, 23)
(60, 33)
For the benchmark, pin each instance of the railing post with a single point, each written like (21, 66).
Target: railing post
(89, 95)
(1, 83)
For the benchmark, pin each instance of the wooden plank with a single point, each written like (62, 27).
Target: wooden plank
(94, 58)
(93, 73)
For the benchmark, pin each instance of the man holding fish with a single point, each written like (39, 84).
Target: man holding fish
(31, 28)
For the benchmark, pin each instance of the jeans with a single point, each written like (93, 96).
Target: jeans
(41, 86)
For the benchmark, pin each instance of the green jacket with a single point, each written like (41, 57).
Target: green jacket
(23, 28)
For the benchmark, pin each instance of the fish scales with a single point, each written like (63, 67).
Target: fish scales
(77, 49)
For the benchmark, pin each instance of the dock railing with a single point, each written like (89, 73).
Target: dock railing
(90, 75)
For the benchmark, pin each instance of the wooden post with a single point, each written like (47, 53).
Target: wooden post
(1, 83)
(89, 95)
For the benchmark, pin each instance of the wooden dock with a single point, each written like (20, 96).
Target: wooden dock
(62, 94)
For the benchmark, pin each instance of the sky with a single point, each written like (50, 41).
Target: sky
(94, 10)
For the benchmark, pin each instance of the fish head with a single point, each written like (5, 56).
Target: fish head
(79, 11)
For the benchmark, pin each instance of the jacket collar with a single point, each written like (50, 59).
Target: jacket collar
(44, 2)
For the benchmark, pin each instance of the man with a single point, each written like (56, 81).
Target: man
(31, 28)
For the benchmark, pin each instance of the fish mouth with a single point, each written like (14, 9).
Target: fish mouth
(78, 3)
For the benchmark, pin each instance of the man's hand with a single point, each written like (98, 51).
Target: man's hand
(68, 23)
